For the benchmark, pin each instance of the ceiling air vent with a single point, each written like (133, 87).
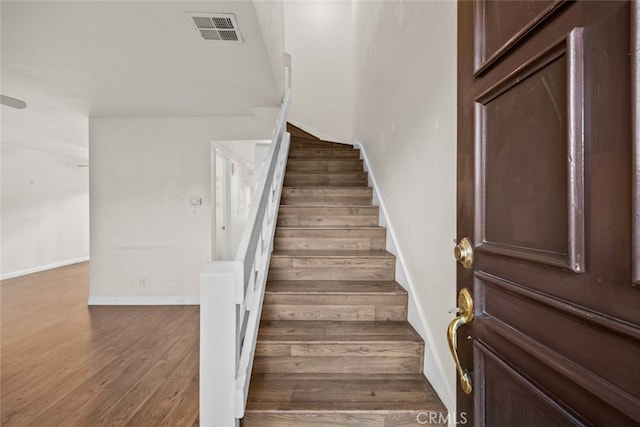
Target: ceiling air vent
(220, 27)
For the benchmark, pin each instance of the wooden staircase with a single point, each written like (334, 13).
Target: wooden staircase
(334, 346)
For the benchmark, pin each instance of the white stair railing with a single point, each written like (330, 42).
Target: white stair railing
(231, 294)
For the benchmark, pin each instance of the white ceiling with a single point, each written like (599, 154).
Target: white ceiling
(71, 60)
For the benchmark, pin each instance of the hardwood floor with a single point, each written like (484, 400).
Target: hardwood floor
(66, 364)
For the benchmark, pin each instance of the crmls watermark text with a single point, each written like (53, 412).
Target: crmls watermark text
(425, 418)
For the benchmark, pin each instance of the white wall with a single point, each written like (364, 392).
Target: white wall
(270, 15)
(318, 35)
(45, 210)
(405, 119)
(148, 243)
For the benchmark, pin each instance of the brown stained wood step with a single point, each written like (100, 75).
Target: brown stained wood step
(345, 301)
(341, 179)
(298, 141)
(332, 418)
(336, 286)
(330, 238)
(325, 216)
(379, 363)
(331, 389)
(310, 347)
(340, 196)
(301, 400)
(331, 265)
(323, 153)
(338, 165)
(311, 139)
(335, 331)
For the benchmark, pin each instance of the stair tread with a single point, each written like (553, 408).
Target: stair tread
(331, 253)
(323, 153)
(299, 184)
(329, 146)
(360, 189)
(323, 173)
(325, 287)
(325, 150)
(312, 161)
(356, 392)
(330, 227)
(336, 331)
(303, 207)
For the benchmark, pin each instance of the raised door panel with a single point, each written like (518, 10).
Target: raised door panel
(530, 150)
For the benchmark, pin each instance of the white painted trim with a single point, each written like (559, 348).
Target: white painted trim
(164, 300)
(433, 368)
(40, 268)
(317, 133)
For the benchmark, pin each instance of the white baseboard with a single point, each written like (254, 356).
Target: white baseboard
(433, 367)
(323, 136)
(40, 268)
(164, 300)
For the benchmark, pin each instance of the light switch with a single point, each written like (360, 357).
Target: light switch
(196, 201)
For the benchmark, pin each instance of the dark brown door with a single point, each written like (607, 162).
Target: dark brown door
(546, 190)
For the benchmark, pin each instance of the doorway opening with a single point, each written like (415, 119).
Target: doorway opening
(233, 184)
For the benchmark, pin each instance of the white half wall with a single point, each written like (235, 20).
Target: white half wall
(318, 35)
(148, 241)
(405, 119)
(45, 210)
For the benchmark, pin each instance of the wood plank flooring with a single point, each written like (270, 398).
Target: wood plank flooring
(334, 346)
(66, 364)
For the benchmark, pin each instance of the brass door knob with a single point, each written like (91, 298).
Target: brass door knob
(464, 253)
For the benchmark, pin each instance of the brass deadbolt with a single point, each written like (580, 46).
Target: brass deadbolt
(464, 252)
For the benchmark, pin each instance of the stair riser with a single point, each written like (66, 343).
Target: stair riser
(325, 201)
(290, 268)
(313, 239)
(319, 145)
(302, 153)
(354, 313)
(327, 221)
(322, 273)
(293, 216)
(338, 418)
(338, 364)
(390, 331)
(386, 262)
(327, 196)
(354, 179)
(306, 141)
(278, 306)
(306, 243)
(357, 350)
(332, 389)
(327, 166)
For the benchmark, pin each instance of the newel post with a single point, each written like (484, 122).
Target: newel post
(218, 344)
